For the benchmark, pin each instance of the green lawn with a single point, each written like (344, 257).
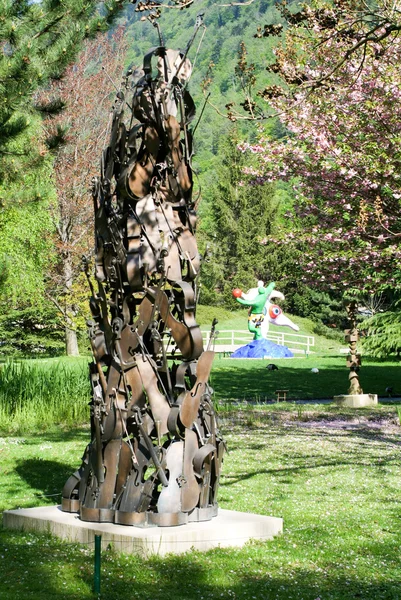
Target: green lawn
(249, 379)
(332, 474)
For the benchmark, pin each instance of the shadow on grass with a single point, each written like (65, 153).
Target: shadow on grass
(355, 455)
(56, 435)
(312, 431)
(47, 571)
(34, 566)
(187, 581)
(44, 476)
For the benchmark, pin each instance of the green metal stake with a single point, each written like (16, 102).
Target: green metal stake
(98, 546)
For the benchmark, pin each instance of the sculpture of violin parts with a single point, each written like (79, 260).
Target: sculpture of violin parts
(156, 451)
(262, 312)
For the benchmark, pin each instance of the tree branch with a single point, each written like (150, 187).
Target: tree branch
(50, 25)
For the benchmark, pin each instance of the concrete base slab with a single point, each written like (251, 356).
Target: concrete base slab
(229, 528)
(356, 400)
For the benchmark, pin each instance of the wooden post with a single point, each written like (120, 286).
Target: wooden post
(353, 358)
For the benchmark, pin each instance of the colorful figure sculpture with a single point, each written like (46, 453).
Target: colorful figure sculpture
(156, 450)
(262, 311)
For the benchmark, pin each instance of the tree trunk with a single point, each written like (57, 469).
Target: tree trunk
(71, 342)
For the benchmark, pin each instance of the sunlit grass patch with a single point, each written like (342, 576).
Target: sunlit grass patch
(249, 379)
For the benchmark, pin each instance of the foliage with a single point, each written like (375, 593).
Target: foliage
(25, 248)
(329, 332)
(26, 253)
(327, 476)
(384, 333)
(39, 40)
(73, 116)
(327, 310)
(344, 134)
(227, 26)
(83, 126)
(33, 330)
(242, 219)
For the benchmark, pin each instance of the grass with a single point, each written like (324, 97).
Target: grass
(332, 474)
(35, 394)
(245, 379)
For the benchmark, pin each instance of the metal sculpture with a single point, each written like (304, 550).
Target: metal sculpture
(156, 451)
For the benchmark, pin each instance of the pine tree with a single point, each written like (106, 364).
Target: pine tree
(242, 216)
(383, 332)
(38, 41)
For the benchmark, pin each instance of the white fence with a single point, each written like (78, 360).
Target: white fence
(229, 340)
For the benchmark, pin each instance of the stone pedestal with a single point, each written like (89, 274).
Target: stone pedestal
(356, 400)
(229, 528)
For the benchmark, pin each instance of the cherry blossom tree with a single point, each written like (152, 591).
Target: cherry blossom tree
(338, 93)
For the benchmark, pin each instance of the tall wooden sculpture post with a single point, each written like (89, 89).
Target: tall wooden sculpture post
(156, 450)
(353, 358)
(355, 398)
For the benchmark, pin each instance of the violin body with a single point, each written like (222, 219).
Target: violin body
(156, 451)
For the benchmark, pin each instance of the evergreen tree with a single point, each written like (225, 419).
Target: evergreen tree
(384, 333)
(38, 41)
(27, 319)
(241, 219)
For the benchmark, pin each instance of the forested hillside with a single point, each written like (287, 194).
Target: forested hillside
(236, 218)
(218, 43)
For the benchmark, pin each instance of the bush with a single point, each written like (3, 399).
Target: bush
(30, 331)
(328, 332)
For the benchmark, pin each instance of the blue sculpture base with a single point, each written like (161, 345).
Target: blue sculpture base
(261, 349)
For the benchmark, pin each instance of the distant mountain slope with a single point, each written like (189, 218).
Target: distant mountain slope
(226, 28)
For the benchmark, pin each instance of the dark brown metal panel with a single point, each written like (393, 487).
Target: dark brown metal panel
(124, 466)
(158, 403)
(111, 459)
(134, 382)
(132, 495)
